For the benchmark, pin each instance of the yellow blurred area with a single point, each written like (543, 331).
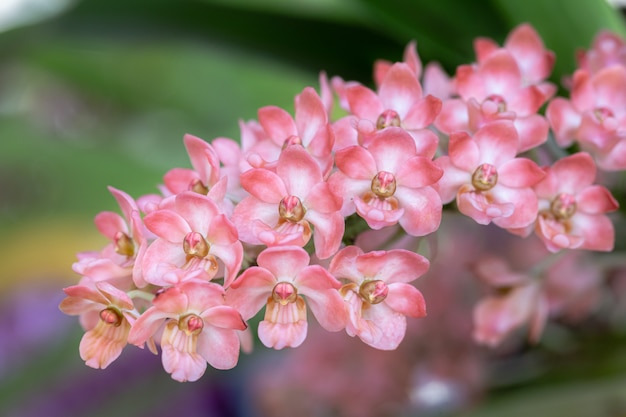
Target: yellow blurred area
(45, 250)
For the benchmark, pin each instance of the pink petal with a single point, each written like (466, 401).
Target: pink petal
(219, 347)
(356, 162)
(498, 142)
(343, 264)
(575, 172)
(184, 366)
(598, 231)
(500, 74)
(248, 293)
(453, 116)
(203, 158)
(422, 210)
(418, 172)
(284, 262)
(519, 173)
(277, 123)
(100, 346)
(126, 202)
(400, 89)
(396, 265)
(298, 170)
(533, 131)
(109, 223)
(281, 335)
(596, 199)
(364, 103)
(406, 299)
(224, 317)
(264, 184)
(310, 115)
(564, 120)
(328, 308)
(463, 152)
(198, 210)
(391, 148)
(146, 326)
(327, 233)
(168, 225)
(526, 45)
(483, 47)
(423, 113)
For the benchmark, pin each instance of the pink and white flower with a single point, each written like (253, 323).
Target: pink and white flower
(196, 328)
(282, 277)
(285, 203)
(377, 293)
(488, 181)
(192, 235)
(595, 116)
(389, 182)
(572, 209)
(107, 314)
(399, 102)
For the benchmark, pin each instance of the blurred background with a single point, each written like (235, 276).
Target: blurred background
(100, 92)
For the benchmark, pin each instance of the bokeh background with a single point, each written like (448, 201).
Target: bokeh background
(100, 92)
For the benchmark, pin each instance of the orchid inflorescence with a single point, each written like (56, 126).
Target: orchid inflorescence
(307, 213)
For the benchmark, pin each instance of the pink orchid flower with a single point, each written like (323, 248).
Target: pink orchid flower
(489, 182)
(607, 49)
(595, 116)
(378, 295)
(192, 235)
(205, 178)
(119, 262)
(309, 127)
(282, 277)
(106, 313)
(197, 328)
(516, 302)
(525, 45)
(572, 210)
(434, 79)
(284, 204)
(389, 183)
(399, 102)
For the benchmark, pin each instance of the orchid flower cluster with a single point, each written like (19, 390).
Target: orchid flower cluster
(332, 217)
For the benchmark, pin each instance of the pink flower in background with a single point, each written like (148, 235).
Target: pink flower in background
(607, 49)
(389, 182)
(378, 295)
(282, 277)
(285, 203)
(572, 210)
(193, 235)
(197, 328)
(489, 182)
(517, 301)
(107, 314)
